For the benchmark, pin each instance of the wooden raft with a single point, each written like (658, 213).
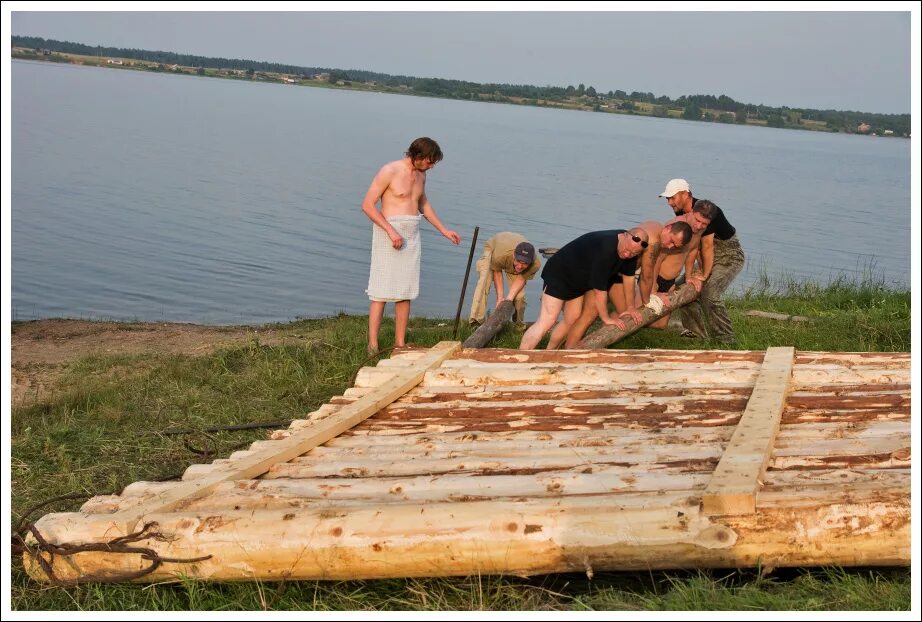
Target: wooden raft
(502, 461)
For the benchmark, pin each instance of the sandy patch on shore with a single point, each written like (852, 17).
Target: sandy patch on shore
(40, 350)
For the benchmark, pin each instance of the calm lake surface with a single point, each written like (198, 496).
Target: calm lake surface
(142, 196)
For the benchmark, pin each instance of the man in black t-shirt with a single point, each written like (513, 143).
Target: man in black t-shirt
(721, 258)
(591, 262)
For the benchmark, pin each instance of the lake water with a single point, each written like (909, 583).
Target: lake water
(143, 196)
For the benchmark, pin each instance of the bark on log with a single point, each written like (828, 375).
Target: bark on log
(662, 357)
(493, 324)
(790, 435)
(608, 335)
(799, 486)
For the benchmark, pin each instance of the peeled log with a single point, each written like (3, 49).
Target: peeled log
(623, 532)
(608, 335)
(493, 324)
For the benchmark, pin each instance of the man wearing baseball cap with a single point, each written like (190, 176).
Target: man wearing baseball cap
(508, 253)
(675, 186)
(721, 258)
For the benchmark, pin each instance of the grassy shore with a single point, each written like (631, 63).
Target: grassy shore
(99, 428)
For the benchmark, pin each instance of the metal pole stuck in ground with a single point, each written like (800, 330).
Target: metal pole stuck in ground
(467, 273)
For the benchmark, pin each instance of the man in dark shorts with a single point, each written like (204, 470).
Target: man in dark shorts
(590, 263)
(662, 239)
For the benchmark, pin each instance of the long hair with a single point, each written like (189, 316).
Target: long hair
(425, 148)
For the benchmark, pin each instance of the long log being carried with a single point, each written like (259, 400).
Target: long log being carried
(608, 335)
(493, 324)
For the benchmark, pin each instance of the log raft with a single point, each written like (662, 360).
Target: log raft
(529, 462)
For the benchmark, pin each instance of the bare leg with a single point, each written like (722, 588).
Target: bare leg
(375, 313)
(550, 309)
(401, 318)
(558, 335)
(617, 297)
(661, 323)
(582, 323)
(572, 309)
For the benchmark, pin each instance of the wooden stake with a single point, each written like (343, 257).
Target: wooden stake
(467, 273)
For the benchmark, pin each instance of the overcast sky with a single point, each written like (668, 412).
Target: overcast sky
(841, 60)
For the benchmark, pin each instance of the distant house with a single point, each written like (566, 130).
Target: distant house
(864, 128)
(113, 62)
(888, 132)
(322, 76)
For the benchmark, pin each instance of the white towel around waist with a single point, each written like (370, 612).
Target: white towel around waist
(394, 274)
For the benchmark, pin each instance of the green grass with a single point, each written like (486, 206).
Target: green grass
(808, 590)
(99, 430)
(849, 315)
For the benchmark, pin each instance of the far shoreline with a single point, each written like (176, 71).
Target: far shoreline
(795, 119)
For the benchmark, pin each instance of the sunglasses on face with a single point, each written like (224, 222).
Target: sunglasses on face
(639, 241)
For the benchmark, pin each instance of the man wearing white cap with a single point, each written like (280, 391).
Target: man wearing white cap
(721, 258)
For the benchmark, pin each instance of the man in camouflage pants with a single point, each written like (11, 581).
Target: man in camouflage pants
(721, 258)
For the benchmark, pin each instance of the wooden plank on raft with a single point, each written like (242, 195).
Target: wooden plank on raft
(736, 480)
(284, 450)
(483, 335)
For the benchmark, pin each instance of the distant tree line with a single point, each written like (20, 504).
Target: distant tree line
(721, 109)
(156, 56)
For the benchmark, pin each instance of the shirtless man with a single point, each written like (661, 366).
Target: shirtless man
(673, 235)
(400, 186)
(669, 264)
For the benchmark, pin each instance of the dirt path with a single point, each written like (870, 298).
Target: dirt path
(40, 349)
